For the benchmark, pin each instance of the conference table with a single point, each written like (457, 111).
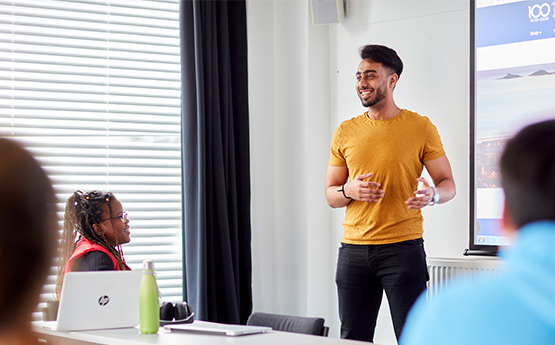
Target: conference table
(132, 336)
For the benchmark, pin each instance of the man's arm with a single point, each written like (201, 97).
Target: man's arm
(335, 178)
(358, 189)
(440, 172)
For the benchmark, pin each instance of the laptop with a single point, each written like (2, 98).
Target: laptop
(204, 327)
(97, 300)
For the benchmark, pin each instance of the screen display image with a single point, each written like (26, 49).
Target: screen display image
(513, 70)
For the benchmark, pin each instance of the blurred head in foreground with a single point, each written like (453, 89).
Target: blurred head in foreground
(528, 176)
(27, 238)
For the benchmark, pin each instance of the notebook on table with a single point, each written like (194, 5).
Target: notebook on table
(204, 327)
(97, 300)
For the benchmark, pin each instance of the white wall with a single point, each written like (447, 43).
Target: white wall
(301, 82)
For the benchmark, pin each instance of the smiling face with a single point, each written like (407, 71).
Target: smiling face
(374, 83)
(115, 227)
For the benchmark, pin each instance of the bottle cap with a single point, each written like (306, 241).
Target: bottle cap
(148, 265)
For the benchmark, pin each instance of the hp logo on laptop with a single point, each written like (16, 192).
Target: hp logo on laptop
(103, 300)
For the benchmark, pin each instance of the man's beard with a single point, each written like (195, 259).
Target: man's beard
(379, 96)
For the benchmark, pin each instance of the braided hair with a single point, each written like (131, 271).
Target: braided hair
(83, 210)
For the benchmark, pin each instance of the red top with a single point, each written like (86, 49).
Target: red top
(85, 246)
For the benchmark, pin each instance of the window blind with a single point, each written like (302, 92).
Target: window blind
(92, 89)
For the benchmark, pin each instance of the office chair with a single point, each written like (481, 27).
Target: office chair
(287, 323)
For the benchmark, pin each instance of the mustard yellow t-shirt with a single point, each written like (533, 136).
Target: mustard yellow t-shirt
(394, 150)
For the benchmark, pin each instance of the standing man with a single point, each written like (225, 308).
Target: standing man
(375, 165)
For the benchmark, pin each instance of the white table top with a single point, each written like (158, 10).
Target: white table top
(132, 336)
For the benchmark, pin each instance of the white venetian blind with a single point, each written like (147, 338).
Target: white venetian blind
(92, 89)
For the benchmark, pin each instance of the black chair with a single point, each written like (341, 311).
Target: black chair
(287, 323)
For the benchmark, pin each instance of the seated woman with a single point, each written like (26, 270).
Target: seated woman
(95, 227)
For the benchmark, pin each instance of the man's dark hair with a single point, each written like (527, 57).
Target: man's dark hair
(528, 174)
(384, 55)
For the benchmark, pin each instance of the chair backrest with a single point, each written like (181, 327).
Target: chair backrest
(287, 323)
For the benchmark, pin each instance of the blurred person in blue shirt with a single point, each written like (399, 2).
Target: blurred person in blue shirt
(518, 306)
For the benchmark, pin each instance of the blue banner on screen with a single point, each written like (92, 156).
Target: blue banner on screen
(515, 22)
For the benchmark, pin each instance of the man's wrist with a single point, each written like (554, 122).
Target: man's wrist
(342, 190)
(435, 197)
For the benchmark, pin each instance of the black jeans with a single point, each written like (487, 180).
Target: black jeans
(364, 271)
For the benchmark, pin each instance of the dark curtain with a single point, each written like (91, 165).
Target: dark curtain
(216, 172)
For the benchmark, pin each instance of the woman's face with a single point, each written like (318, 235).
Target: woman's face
(116, 226)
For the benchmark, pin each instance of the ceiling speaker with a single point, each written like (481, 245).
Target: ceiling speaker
(327, 11)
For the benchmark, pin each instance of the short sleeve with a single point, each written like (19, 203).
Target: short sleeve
(336, 154)
(433, 148)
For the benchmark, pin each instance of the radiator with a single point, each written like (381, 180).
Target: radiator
(444, 271)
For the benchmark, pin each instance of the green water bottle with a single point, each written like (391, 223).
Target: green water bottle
(149, 310)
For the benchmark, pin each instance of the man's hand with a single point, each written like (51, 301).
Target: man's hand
(361, 190)
(422, 196)
(340, 192)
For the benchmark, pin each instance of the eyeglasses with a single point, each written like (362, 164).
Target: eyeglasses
(123, 217)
